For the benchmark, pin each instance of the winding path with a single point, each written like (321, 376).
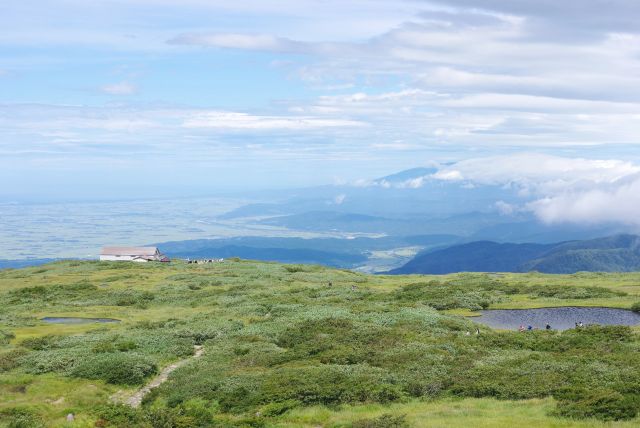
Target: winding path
(136, 398)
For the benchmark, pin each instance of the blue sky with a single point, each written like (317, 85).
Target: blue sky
(135, 98)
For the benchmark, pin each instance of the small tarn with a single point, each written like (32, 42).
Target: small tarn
(77, 320)
(562, 318)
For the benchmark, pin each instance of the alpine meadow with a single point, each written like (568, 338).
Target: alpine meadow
(304, 345)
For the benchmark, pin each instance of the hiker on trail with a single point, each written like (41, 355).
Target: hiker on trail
(548, 326)
(521, 328)
(580, 324)
(529, 327)
(477, 331)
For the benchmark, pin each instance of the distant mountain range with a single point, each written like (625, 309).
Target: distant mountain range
(17, 264)
(411, 202)
(620, 253)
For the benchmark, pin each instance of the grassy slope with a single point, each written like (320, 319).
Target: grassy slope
(261, 300)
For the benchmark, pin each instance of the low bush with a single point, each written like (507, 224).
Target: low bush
(605, 405)
(20, 417)
(6, 337)
(278, 408)
(295, 268)
(133, 297)
(446, 295)
(385, 421)
(41, 343)
(569, 292)
(635, 307)
(11, 359)
(118, 416)
(116, 368)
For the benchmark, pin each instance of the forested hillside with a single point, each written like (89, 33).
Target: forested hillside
(619, 253)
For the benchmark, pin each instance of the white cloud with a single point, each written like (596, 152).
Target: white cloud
(505, 208)
(540, 171)
(558, 189)
(120, 88)
(531, 103)
(614, 203)
(339, 199)
(449, 175)
(233, 120)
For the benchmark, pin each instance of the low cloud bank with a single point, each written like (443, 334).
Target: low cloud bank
(558, 189)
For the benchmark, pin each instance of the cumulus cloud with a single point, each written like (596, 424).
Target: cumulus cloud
(617, 202)
(558, 189)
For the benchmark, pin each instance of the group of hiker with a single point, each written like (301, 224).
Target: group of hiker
(189, 261)
(530, 327)
(579, 324)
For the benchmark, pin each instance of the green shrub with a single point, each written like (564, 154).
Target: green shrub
(295, 268)
(605, 405)
(385, 421)
(105, 346)
(116, 368)
(20, 417)
(165, 418)
(199, 336)
(11, 359)
(635, 307)
(198, 411)
(109, 345)
(133, 297)
(571, 292)
(6, 337)
(279, 408)
(40, 343)
(119, 416)
(448, 295)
